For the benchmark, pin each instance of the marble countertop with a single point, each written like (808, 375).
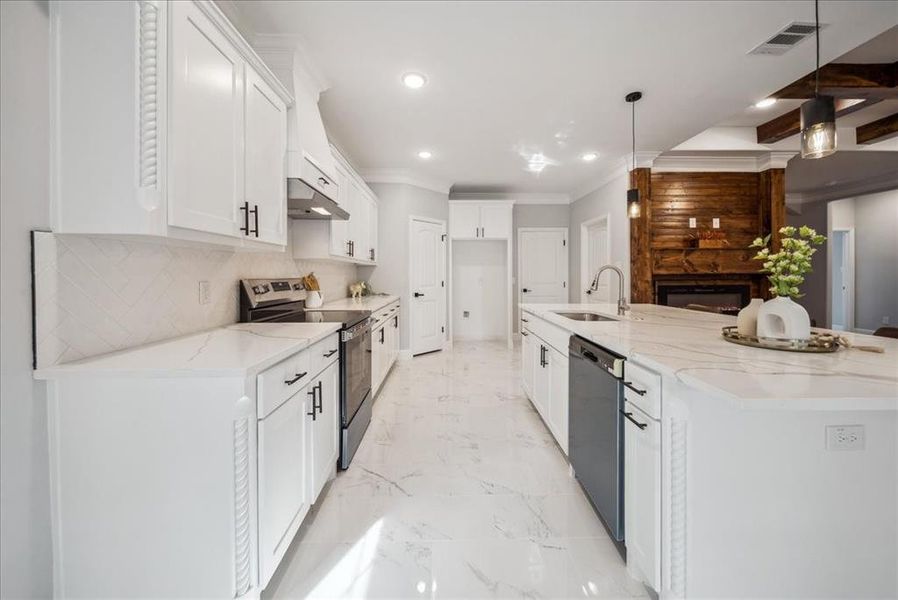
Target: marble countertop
(687, 345)
(372, 303)
(240, 350)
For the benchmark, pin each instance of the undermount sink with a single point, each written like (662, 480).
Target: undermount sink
(582, 316)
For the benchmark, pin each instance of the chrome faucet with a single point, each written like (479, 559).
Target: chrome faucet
(622, 306)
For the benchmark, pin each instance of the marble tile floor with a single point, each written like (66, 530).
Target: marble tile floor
(458, 491)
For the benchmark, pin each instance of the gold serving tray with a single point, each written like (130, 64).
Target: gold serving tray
(819, 342)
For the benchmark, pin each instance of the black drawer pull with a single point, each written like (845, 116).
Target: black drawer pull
(331, 353)
(630, 418)
(297, 378)
(629, 384)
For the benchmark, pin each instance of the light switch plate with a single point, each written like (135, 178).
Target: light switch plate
(205, 294)
(715, 223)
(692, 222)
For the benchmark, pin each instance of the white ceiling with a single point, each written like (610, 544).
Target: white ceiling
(881, 49)
(840, 170)
(510, 78)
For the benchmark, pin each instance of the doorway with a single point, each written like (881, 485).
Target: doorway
(542, 265)
(427, 285)
(595, 252)
(842, 280)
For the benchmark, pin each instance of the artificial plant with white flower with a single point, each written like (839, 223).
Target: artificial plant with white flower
(786, 269)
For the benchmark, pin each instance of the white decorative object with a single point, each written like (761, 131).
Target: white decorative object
(314, 299)
(747, 321)
(784, 319)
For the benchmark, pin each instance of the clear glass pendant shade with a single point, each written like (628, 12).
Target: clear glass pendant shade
(633, 208)
(818, 127)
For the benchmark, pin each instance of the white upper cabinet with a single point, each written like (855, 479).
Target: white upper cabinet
(165, 123)
(471, 220)
(265, 177)
(353, 240)
(205, 179)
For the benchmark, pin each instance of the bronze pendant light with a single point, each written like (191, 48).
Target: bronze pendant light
(633, 205)
(818, 115)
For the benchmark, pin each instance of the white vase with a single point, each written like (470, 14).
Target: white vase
(313, 299)
(784, 319)
(747, 321)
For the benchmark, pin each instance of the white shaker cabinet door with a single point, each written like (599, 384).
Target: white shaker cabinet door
(265, 150)
(283, 501)
(325, 425)
(642, 495)
(541, 379)
(495, 222)
(206, 171)
(558, 397)
(464, 221)
(339, 240)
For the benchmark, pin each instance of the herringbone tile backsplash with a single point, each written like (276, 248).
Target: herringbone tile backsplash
(95, 295)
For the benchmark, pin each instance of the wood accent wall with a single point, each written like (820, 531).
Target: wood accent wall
(662, 246)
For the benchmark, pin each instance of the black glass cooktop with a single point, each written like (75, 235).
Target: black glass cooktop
(347, 317)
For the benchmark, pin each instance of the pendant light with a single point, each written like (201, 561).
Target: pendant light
(818, 115)
(633, 204)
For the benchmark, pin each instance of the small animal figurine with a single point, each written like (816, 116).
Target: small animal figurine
(356, 290)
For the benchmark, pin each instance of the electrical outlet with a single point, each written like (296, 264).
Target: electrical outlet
(845, 437)
(692, 222)
(715, 223)
(205, 293)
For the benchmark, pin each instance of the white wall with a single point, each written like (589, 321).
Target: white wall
(610, 199)
(25, 553)
(876, 263)
(479, 278)
(533, 215)
(396, 203)
(814, 287)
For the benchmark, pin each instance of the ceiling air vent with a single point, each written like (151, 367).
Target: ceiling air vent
(786, 38)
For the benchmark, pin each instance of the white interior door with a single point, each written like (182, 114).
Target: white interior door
(842, 280)
(542, 265)
(427, 302)
(595, 252)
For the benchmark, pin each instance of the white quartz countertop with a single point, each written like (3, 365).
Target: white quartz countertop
(688, 345)
(239, 350)
(372, 303)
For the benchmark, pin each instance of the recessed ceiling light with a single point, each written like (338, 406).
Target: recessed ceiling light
(588, 156)
(765, 103)
(414, 80)
(425, 154)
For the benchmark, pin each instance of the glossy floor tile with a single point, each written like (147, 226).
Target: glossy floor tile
(457, 491)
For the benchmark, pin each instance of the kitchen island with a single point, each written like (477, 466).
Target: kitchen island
(764, 457)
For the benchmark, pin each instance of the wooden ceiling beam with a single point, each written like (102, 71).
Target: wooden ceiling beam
(789, 124)
(847, 80)
(878, 131)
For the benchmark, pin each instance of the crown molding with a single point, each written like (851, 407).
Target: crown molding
(752, 162)
(514, 197)
(286, 52)
(618, 169)
(407, 177)
(870, 185)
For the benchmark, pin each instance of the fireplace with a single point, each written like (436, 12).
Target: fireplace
(726, 299)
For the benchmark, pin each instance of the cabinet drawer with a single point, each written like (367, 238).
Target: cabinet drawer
(551, 334)
(647, 382)
(384, 314)
(323, 353)
(316, 178)
(276, 384)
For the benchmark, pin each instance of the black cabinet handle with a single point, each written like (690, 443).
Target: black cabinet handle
(297, 378)
(630, 418)
(372, 253)
(418, 294)
(331, 353)
(524, 333)
(629, 384)
(245, 209)
(313, 393)
(255, 212)
(525, 320)
(525, 290)
(323, 181)
(348, 248)
(320, 396)
(395, 321)
(542, 355)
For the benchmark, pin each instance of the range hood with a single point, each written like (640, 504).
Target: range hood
(306, 202)
(312, 189)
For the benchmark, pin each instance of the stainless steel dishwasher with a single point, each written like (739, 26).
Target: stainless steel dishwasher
(596, 430)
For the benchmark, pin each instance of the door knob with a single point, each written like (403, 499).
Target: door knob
(418, 294)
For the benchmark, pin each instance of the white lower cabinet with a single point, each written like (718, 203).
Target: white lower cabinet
(545, 381)
(323, 443)
(384, 343)
(642, 495)
(284, 500)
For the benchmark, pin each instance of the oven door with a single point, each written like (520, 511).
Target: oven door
(356, 348)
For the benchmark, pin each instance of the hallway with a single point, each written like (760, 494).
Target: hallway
(458, 491)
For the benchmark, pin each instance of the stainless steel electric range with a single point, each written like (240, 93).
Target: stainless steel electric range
(282, 301)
